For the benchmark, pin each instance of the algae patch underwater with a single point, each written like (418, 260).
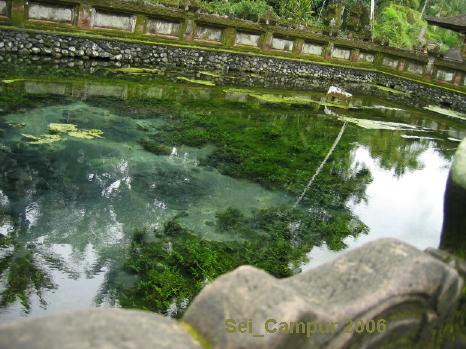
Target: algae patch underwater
(72, 130)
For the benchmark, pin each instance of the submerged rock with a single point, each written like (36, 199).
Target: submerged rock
(99, 328)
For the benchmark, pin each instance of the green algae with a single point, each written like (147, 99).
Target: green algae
(17, 124)
(86, 134)
(446, 112)
(73, 131)
(199, 82)
(12, 81)
(136, 71)
(42, 139)
(376, 124)
(62, 128)
(209, 73)
(390, 90)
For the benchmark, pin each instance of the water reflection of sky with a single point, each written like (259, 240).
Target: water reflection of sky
(407, 207)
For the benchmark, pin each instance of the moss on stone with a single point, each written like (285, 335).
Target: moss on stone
(196, 335)
(209, 73)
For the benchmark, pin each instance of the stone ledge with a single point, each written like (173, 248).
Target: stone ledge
(97, 328)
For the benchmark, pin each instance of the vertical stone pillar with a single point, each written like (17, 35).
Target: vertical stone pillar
(401, 64)
(328, 51)
(355, 55)
(429, 69)
(18, 12)
(140, 27)
(458, 78)
(266, 41)
(84, 16)
(229, 37)
(298, 46)
(189, 29)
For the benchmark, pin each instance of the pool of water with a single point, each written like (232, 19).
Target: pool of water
(133, 156)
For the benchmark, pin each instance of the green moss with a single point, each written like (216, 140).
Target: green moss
(209, 73)
(447, 112)
(390, 90)
(12, 81)
(196, 335)
(199, 82)
(136, 71)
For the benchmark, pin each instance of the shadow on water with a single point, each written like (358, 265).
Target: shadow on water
(154, 188)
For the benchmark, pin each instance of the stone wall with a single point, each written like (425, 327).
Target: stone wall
(138, 20)
(272, 71)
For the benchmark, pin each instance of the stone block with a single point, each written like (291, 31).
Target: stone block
(98, 328)
(388, 280)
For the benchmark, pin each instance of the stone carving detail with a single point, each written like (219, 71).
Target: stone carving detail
(208, 33)
(415, 68)
(113, 20)
(385, 279)
(444, 75)
(407, 293)
(390, 62)
(312, 49)
(249, 39)
(54, 13)
(160, 26)
(341, 53)
(282, 44)
(366, 57)
(3, 8)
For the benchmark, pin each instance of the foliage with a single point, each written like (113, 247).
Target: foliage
(246, 9)
(401, 25)
(175, 266)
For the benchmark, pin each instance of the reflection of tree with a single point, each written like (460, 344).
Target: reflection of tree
(394, 152)
(23, 269)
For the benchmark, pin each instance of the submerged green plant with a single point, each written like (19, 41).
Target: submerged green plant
(175, 264)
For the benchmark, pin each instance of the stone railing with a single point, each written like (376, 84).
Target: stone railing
(137, 20)
(385, 294)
